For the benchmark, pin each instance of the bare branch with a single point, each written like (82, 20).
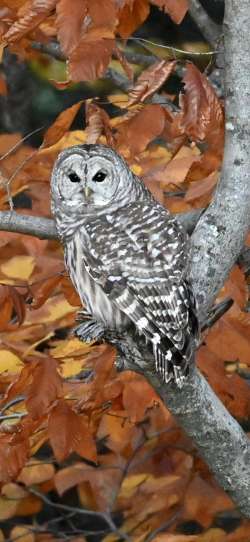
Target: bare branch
(44, 228)
(210, 30)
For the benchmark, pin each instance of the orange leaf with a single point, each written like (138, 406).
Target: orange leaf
(132, 15)
(61, 125)
(175, 10)
(202, 109)
(201, 188)
(45, 388)
(90, 59)
(98, 123)
(138, 397)
(69, 22)
(34, 13)
(81, 19)
(13, 456)
(68, 432)
(43, 290)
(137, 132)
(70, 292)
(150, 80)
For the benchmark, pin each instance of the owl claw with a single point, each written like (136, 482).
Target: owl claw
(89, 331)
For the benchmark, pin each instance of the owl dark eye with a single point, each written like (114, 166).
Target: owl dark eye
(99, 176)
(74, 178)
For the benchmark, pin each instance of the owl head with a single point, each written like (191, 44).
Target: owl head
(89, 178)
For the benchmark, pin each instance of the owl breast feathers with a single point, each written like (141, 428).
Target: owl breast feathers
(126, 255)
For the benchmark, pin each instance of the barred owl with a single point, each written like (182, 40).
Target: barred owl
(126, 256)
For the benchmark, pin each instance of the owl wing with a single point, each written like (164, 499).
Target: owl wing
(143, 276)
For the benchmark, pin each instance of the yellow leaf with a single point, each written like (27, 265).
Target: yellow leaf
(7, 508)
(19, 267)
(131, 482)
(213, 535)
(36, 472)
(13, 491)
(137, 170)
(22, 533)
(10, 362)
(71, 367)
(52, 310)
(70, 348)
(76, 137)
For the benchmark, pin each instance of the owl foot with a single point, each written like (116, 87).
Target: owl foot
(89, 331)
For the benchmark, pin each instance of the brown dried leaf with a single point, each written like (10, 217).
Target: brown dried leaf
(90, 59)
(70, 292)
(175, 10)
(41, 291)
(137, 132)
(70, 23)
(98, 124)
(202, 188)
(45, 388)
(11, 300)
(74, 434)
(132, 15)
(202, 109)
(124, 63)
(61, 125)
(150, 80)
(13, 456)
(35, 12)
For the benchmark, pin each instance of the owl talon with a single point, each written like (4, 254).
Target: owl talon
(89, 331)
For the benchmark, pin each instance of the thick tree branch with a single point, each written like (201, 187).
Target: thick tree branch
(45, 228)
(220, 233)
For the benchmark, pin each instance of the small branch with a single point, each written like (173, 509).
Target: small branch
(43, 228)
(210, 30)
(52, 48)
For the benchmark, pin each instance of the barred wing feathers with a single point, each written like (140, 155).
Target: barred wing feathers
(141, 268)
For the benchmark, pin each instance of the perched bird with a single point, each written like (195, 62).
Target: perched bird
(126, 256)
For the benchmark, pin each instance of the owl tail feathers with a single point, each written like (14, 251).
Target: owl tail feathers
(174, 365)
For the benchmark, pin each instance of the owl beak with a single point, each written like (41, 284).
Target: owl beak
(87, 191)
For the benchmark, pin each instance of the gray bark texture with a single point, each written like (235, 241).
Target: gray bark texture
(216, 244)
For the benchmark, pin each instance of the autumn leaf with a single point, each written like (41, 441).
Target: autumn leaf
(90, 59)
(36, 473)
(202, 109)
(42, 291)
(175, 10)
(97, 124)
(61, 125)
(132, 14)
(69, 22)
(45, 388)
(11, 301)
(136, 133)
(150, 80)
(73, 436)
(14, 453)
(33, 15)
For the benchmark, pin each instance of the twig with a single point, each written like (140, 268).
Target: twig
(82, 511)
(162, 527)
